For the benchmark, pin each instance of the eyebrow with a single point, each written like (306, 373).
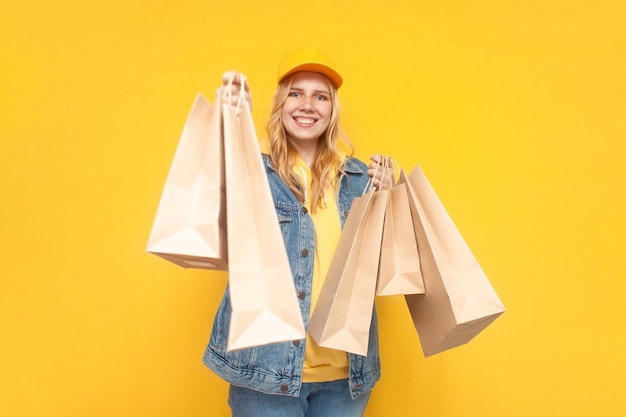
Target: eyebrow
(314, 92)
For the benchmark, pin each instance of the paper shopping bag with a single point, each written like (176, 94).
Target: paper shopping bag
(342, 317)
(262, 293)
(459, 301)
(190, 225)
(399, 270)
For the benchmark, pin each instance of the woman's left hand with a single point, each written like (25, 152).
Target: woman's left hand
(381, 171)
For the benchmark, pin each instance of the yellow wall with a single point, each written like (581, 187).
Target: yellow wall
(515, 109)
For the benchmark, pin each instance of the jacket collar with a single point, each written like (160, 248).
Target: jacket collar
(349, 165)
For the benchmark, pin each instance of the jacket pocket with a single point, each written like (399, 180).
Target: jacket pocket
(285, 220)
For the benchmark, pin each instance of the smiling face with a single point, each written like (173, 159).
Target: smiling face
(306, 112)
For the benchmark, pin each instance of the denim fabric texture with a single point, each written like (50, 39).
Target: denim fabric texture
(318, 399)
(277, 368)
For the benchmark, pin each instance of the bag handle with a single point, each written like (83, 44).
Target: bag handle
(396, 168)
(383, 167)
(390, 162)
(229, 91)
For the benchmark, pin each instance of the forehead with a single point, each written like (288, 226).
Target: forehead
(311, 80)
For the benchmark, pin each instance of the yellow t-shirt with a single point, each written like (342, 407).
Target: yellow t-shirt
(320, 363)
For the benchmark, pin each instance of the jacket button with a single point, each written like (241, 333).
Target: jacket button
(304, 252)
(296, 343)
(301, 295)
(284, 387)
(304, 210)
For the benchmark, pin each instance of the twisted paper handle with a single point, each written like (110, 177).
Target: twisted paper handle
(229, 92)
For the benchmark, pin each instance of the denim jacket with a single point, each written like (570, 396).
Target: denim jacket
(277, 368)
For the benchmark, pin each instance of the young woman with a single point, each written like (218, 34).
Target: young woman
(313, 179)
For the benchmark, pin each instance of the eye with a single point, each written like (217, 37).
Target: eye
(294, 94)
(321, 97)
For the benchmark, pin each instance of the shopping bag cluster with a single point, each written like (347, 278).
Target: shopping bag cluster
(216, 212)
(419, 253)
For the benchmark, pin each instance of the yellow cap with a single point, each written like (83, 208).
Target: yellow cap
(309, 59)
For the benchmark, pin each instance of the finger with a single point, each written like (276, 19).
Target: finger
(246, 85)
(236, 78)
(375, 166)
(380, 184)
(374, 172)
(226, 91)
(234, 100)
(376, 158)
(228, 75)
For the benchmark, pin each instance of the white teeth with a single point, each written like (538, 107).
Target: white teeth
(304, 121)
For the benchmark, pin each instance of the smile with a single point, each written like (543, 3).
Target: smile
(304, 120)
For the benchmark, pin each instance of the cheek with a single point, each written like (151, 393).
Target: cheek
(327, 113)
(284, 117)
(286, 111)
(327, 109)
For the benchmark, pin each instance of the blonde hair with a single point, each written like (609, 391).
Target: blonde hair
(328, 158)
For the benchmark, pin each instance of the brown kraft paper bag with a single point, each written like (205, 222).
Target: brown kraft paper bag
(262, 293)
(399, 270)
(342, 317)
(459, 301)
(190, 225)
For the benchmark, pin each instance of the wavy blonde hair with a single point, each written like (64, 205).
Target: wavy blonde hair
(328, 158)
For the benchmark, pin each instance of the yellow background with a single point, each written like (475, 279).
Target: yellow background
(516, 110)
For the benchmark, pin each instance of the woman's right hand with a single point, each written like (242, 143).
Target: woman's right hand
(234, 90)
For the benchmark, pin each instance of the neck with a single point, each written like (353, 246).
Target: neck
(307, 151)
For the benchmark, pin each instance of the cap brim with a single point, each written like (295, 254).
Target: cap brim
(332, 75)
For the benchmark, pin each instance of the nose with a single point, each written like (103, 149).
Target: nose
(307, 103)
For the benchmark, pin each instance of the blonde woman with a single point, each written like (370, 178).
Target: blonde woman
(314, 179)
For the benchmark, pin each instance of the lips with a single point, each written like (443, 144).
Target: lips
(304, 120)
